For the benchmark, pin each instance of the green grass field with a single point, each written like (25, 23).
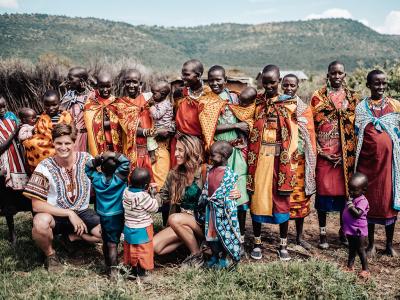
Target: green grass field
(22, 276)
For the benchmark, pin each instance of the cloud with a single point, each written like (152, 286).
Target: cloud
(9, 4)
(392, 23)
(331, 13)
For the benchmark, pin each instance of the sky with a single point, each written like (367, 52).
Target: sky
(383, 16)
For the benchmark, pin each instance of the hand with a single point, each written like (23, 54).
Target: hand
(235, 194)
(242, 126)
(98, 160)
(151, 102)
(162, 132)
(79, 226)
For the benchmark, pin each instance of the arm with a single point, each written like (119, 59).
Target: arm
(158, 111)
(122, 170)
(355, 212)
(242, 126)
(40, 206)
(163, 196)
(150, 204)
(7, 142)
(91, 166)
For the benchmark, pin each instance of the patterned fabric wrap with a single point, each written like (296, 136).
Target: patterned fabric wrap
(128, 116)
(11, 160)
(211, 106)
(285, 112)
(324, 108)
(95, 111)
(390, 123)
(226, 220)
(306, 127)
(40, 145)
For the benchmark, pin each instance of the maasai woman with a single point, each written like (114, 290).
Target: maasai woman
(305, 174)
(101, 120)
(13, 177)
(222, 119)
(187, 107)
(74, 101)
(40, 145)
(378, 157)
(271, 161)
(333, 111)
(135, 120)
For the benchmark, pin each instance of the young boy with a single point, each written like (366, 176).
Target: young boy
(28, 120)
(222, 227)
(109, 185)
(271, 173)
(101, 118)
(300, 199)
(161, 111)
(74, 101)
(40, 145)
(355, 225)
(138, 230)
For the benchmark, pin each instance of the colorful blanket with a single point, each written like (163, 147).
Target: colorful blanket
(225, 212)
(390, 123)
(40, 145)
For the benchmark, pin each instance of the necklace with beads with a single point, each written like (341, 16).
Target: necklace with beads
(373, 107)
(194, 95)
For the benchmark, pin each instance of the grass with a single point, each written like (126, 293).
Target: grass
(22, 276)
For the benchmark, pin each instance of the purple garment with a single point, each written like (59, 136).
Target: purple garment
(353, 226)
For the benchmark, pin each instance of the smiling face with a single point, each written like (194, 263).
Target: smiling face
(104, 85)
(51, 105)
(377, 85)
(189, 75)
(3, 107)
(336, 75)
(217, 81)
(63, 147)
(290, 86)
(180, 153)
(270, 82)
(132, 83)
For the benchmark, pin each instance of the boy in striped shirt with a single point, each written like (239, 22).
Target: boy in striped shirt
(138, 229)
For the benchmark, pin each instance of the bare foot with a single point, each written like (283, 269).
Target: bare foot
(364, 274)
(371, 252)
(323, 242)
(304, 244)
(389, 251)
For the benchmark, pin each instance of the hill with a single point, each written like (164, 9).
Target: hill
(308, 45)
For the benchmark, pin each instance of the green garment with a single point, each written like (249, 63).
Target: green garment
(236, 161)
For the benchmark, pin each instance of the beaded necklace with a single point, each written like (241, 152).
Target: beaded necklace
(374, 107)
(192, 94)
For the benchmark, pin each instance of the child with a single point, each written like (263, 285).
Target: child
(247, 97)
(138, 230)
(300, 199)
(222, 227)
(40, 145)
(161, 111)
(109, 185)
(28, 119)
(355, 224)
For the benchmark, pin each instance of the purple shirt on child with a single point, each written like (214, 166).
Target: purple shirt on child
(353, 226)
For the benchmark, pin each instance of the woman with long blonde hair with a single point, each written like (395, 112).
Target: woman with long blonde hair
(180, 193)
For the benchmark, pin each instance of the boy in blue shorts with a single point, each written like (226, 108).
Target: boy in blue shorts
(109, 185)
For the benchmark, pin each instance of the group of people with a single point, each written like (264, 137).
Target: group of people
(203, 157)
